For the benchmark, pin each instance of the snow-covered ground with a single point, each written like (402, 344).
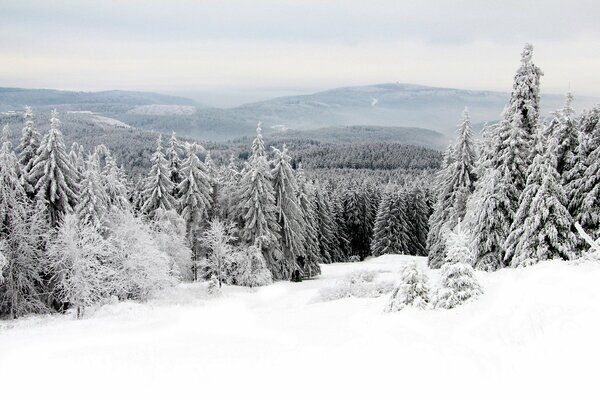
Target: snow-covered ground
(534, 334)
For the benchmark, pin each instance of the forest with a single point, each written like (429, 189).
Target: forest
(107, 222)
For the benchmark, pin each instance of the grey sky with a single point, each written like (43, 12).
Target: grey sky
(185, 45)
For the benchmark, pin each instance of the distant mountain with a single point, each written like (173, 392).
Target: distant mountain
(112, 100)
(385, 105)
(369, 134)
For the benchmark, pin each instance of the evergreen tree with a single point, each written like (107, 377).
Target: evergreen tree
(175, 173)
(256, 209)
(412, 290)
(21, 274)
(392, 227)
(227, 194)
(30, 142)
(115, 184)
(56, 180)
(417, 214)
(289, 213)
(306, 201)
(488, 221)
(563, 130)
(194, 192)
(458, 283)
(158, 186)
(93, 200)
(327, 236)
(542, 227)
(457, 182)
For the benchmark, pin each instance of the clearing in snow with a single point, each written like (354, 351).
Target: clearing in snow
(532, 334)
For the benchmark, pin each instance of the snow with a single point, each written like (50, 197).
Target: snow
(162, 109)
(532, 334)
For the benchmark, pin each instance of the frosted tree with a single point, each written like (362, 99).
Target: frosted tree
(194, 192)
(256, 209)
(392, 228)
(78, 257)
(417, 214)
(217, 238)
(327, 231)
(212, 172)
(589, 212)
(563, 130)
(542, 227)
(93, 199)
(21, 277)
(488, 221)
(142, 268)
(456, 182)
(115, 183)
(458, 282)
(56, 179)
(30, 142)
(412, 290)
(175, 173)
(251, 268)
(169, 233)
(307, 206)
(77, 157)
(158, 186)
(227, 195)
(289, 213)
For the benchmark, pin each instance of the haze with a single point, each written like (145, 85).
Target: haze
(228, 52)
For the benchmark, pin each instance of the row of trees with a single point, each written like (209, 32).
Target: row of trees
(521, 190)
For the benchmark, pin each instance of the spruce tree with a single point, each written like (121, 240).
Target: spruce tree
(418, 214)
(158, 186)
(412, 290)
(56, 179)
(194, 192)
(30, 142)
(392, 227)
(175, 173)
(306, 201)
(256, 209)
(93, 199)
(458, 283)
(542, 227)
(327, 236)
(456, 183)
(289, 213)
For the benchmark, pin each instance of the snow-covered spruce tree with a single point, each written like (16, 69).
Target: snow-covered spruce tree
(359, 217)
(175, 173)
(589, 213)
(542, 227)
(21, 281)
(158, 186)
(458, 282)
(488, 221)
(227, 199)
(289, 213)
(455, 182)
(256, 209)
(329, 245)
(306, 201)
(55, 179)
(194, 192)
(564, 131)
(392, 227)
(79, 257)
(93, 199)
(412, 290)
(77, 157)
(418, 214)
(213, 176)
(30, 142)
(217, 238)
(115, 184)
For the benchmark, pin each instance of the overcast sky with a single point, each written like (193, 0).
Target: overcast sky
(300, 45)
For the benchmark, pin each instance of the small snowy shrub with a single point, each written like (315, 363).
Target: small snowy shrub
(251, 268)
(214, 286)
(412, 290)
(458, 280)
(356, 284)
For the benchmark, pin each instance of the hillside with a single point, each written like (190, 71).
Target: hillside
(369, 134)
(522, 338)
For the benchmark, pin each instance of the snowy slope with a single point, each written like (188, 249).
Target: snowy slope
(533, 334)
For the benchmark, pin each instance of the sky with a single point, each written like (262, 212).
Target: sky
(247, 49)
